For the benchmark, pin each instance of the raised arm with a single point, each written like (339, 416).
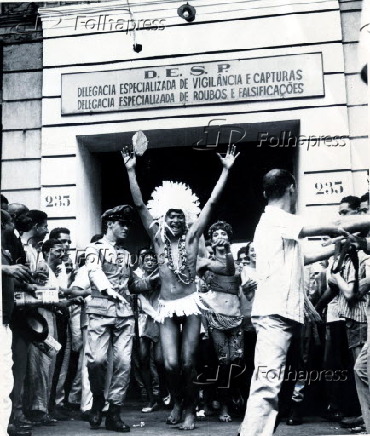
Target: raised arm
(227, 162)
(129, 159)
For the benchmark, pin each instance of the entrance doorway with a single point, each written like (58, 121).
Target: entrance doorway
(241, 203)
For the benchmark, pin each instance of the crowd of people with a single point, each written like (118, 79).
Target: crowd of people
(199, 330)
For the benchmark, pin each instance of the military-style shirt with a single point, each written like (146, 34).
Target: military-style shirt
(108, 267)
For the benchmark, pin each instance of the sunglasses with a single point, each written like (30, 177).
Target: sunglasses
(124, 223)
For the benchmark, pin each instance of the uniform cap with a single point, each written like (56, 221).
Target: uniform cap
(123, 212)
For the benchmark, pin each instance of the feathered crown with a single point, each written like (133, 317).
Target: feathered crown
(174, 195)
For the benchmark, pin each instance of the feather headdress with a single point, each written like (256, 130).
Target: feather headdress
(173, 195)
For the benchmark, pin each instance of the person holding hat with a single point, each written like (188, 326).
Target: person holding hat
(110, 317)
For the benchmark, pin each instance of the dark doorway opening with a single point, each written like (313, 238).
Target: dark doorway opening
(241, 203)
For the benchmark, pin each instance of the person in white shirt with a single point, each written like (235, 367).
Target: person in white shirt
(280, 302)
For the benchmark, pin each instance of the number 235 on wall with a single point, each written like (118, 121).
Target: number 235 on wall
(58, 201)
(329, 188)
(326, 188)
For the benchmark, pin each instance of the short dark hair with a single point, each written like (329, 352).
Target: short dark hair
(37, 216)
(147, 252)
(242, 250)
(5, 217)
(248, 247)
(4, 200)
(55, 233)
(365, 197)
(16, 209)
(49, 244)
(275, 183)
(353, 201)
(223, 225)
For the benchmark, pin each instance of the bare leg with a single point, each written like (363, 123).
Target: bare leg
(170, 341)
(190, 340)
(159, 363)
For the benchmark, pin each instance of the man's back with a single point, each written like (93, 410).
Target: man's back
(279, 265)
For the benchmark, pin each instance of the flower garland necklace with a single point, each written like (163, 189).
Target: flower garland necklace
(181, 276)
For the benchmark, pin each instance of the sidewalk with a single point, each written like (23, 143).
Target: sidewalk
(154, 425)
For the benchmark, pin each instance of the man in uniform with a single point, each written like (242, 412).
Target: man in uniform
(110, 318)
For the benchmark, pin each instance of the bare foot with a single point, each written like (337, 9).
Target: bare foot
(175, 415)
(189, 421)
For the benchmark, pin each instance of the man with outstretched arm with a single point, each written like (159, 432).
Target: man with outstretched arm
(280, 303)
(171, 220)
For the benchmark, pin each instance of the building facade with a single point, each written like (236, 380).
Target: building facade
(281, 79)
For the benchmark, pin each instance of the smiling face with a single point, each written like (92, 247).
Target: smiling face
(175, 221)
(252, 253)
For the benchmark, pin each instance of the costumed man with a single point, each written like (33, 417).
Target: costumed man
(172, 222)
(110, 317)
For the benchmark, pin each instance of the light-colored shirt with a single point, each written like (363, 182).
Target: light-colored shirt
(280, 263)
(33, 257)
(332, 314)
(108, 267)
(82, 280)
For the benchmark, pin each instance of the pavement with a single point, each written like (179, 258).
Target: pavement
(155, 424)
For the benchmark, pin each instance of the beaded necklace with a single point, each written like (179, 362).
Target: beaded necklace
(181, 276)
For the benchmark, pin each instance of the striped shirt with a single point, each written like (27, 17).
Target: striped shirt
(356, 310)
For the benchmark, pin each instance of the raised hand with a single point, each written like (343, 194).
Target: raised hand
(221, 242)
(129, 158)
(229, 159)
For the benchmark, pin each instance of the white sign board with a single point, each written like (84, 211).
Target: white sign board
(269, 78)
